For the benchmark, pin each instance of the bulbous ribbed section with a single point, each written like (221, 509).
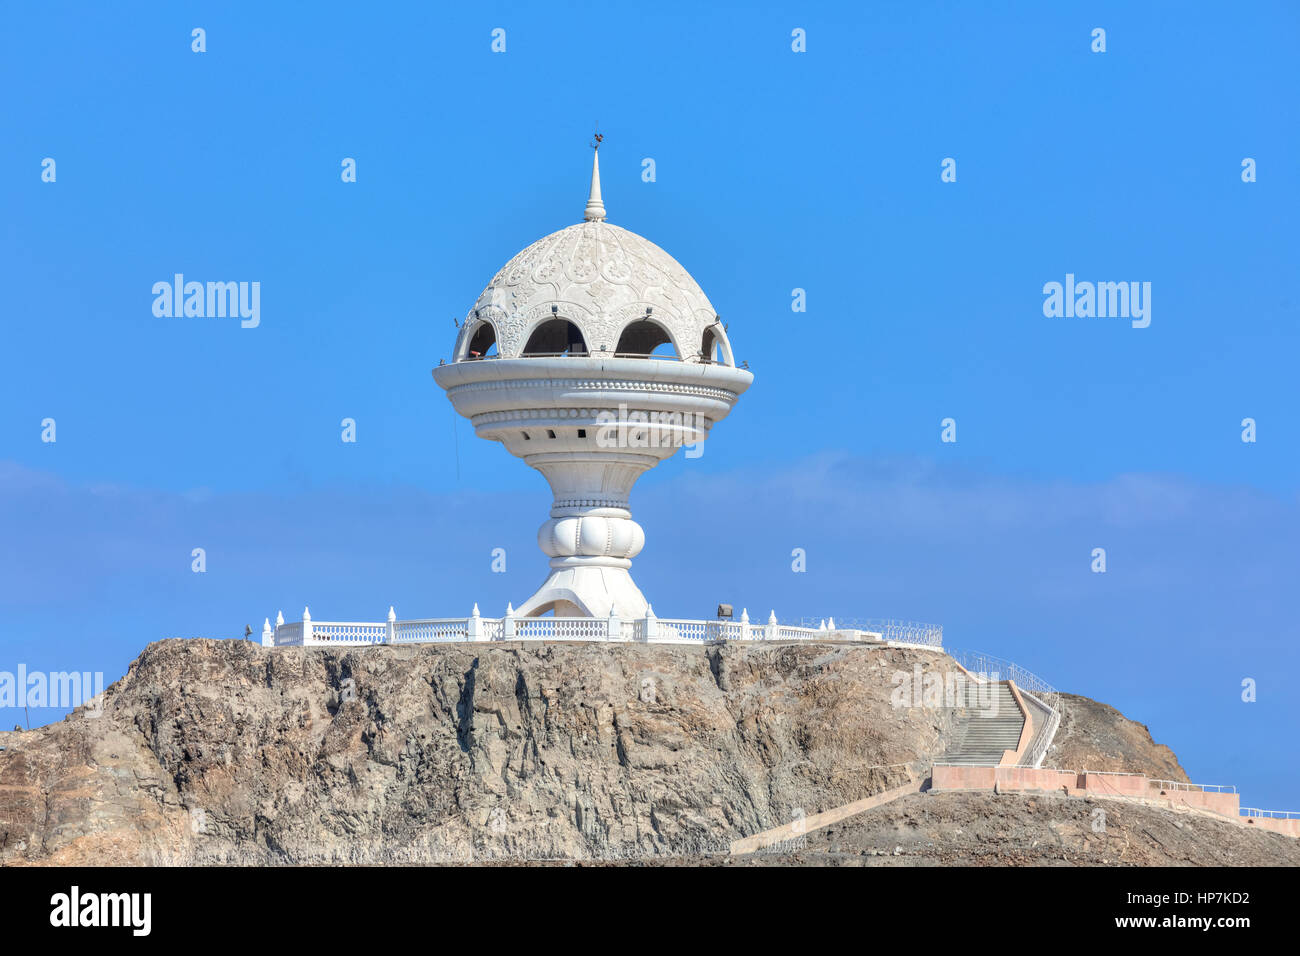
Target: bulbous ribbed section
(591, 536)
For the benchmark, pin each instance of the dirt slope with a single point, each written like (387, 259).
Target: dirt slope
(987, 829)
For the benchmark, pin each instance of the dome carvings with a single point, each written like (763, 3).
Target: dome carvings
(602, 279)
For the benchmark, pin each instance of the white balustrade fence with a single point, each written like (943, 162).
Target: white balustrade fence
(287, 635)
(430, 632)
(648, 629)
(686, 632)
(328, 632)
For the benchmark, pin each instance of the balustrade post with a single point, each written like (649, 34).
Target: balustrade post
(771, 627)
(508, 623)
(474, 626)
(306, 626)
(744, 624)
(391, 634)
(614, 627)
(268, 639)
(650, 629)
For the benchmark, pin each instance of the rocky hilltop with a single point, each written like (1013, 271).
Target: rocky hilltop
(221, 750)
(225, 751)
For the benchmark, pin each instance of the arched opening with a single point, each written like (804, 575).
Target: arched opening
(556, 337)
(483, 342)
(557, 608)
(644, 338)
(715, 348)
(477, 339)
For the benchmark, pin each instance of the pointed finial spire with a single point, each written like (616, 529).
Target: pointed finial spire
(595, 211)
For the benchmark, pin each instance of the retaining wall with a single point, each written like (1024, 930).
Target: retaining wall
(1289, 827)
(1006, 778)
(1091, 783)
(1117, 784)
(1020, 779)
(1229, 804)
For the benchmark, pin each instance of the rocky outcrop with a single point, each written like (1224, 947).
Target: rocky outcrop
(212, 751)
(1095, 736)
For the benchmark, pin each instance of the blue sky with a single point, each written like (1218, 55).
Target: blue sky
(775, 170)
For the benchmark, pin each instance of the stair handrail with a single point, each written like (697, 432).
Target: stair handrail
(980, 664)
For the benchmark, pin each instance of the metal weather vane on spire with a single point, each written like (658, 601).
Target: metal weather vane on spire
(595, 211)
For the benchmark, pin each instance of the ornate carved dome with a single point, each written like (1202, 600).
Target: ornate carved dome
(623, 294)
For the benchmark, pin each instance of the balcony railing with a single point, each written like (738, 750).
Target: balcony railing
(695, 359)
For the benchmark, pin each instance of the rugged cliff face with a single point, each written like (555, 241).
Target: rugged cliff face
(226, 751)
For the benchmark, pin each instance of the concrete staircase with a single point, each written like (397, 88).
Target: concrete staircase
(983, 734)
